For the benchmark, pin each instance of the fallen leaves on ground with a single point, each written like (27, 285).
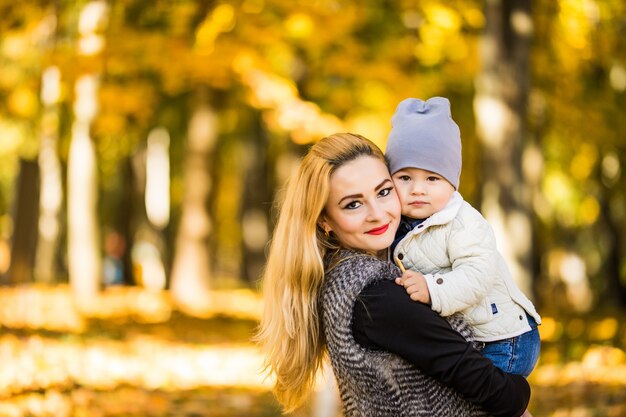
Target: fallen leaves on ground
(134, 354)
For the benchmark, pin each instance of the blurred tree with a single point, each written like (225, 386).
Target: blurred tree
(191, 269)
(256, 200)
(51, 194)
(281, 74)
(84, 257)
(25, 209)
(500, 102)
(576, 108)
(26, 32)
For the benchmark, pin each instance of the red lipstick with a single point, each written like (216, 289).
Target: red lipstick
(379, 230)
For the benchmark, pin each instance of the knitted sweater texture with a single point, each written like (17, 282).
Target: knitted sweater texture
(377, 383)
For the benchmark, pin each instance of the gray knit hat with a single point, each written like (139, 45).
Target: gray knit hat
(423, 135)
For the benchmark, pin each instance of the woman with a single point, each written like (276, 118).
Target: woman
(328, 285)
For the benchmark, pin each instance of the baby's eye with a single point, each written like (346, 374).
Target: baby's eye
(433, 178)
(404, 178)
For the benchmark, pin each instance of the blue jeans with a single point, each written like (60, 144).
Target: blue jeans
(516, 355)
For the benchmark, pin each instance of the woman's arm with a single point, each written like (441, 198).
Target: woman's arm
(385, 318)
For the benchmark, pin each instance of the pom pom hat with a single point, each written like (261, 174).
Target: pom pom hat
(423, 135)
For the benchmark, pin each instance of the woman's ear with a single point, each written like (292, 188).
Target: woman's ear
(324, 225)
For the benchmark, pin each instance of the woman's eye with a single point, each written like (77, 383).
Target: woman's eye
(385, 192)
(352, 205)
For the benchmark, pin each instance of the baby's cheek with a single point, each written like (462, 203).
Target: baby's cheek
(402, 195)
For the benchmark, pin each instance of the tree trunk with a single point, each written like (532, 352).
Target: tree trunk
(149, 199)
(256, 202)
(191, 269)
(25, 215)
(615, 291)
(119, 241)
(83, 252)
(500, 107)
(51, 196)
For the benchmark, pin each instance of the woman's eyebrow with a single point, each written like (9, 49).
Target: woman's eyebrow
(349, 197)
(378, 187)
(382, 184)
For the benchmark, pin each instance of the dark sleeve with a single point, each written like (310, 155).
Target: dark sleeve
(386, 318)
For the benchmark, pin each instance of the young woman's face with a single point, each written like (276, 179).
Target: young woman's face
(422, 193)
(363, 210)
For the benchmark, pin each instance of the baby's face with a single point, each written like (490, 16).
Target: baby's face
(422, 193)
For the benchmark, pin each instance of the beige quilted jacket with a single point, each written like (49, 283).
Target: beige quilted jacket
(455, 249)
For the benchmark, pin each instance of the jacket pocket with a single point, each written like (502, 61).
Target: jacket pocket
(481, 313)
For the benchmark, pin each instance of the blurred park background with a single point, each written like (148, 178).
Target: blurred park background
(143, 145)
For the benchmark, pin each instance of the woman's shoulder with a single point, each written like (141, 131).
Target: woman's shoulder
(347, 260)
(353, 269)
(348, 273)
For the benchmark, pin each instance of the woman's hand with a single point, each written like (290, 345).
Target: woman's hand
(415, 285)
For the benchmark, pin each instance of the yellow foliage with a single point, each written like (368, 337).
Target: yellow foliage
(17, 309)
(600, 365)
(474, 17)
(288, 112)
(300, 25)
(11, 137)
(10, 76)
(551, 330)
(181, 16)
(110, 124)
(575, 23)
(15, 46)
(23, 102)
(558, 188)
(222, 19)
(443, 17)
(375, 95)
(5, 254)
(458, 49)
(440, 35)
(603, 357)
(151, 362)
(52, 307)
(374, 125)
(604, 329)
(575, 328)
(584, 161)
(589, 210)
(253, 6)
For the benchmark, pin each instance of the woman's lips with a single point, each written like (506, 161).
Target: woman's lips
(379, 230)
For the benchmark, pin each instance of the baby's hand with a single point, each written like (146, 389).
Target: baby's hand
(415, 285)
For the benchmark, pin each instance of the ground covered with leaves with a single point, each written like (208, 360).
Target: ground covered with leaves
(134, 354)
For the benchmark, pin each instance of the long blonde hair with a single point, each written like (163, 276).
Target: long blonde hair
(290, 333)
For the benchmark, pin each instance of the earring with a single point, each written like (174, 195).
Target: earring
(326, 233)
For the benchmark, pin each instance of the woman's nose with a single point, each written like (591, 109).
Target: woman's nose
(375, 212)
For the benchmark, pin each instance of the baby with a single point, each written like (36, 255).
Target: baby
(446, 245)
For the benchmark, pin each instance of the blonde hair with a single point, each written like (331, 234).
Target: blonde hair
(290, 332)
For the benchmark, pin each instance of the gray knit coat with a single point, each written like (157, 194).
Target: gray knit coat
(377, 383)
